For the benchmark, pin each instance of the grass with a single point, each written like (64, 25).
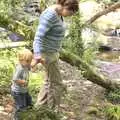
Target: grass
(36, 80)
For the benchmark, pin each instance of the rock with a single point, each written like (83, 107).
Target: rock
(33, 7)
(92, 110)
(113, 32)
(15, 37)
(104, 48)
(1, 108)
(8, 108)
(4, 116)
(3, 29)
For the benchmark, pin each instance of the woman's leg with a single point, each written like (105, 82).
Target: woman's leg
(53, 89)
(56, 87)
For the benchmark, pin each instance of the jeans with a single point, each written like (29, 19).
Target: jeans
(22, 101)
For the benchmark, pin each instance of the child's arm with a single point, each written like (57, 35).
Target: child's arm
(18, 76)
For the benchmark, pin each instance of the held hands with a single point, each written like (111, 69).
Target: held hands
(35, 62)
(22, 83)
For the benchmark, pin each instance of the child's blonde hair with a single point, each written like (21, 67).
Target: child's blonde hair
(25, 55)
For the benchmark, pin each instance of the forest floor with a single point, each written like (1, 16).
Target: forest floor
(84, 100)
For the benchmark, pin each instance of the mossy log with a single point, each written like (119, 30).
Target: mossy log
(90, 71)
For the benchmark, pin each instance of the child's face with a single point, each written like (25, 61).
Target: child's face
(26, 62)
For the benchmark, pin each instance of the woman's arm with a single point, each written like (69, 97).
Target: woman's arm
(44, 26)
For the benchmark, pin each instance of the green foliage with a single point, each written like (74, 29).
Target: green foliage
(73, 42)
(35, 82)
(4, 18)
(22, 29)
(6, 10)
(89, 55)
(113, 112)
(6, 67)
(113, 96)
(40, 113)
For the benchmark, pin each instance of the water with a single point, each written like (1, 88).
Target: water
(110, 56)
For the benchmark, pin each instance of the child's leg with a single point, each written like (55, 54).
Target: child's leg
(19, 103)
(28, 100)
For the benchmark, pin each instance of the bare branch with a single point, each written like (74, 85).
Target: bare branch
(104, 12)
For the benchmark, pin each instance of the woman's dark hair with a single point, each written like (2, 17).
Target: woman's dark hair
(69, 4)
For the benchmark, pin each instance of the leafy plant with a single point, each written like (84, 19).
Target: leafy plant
(113, 96)
(6, 70)
(35, 82)
(89, 55)
(113, 112)
(73, 42)
(40, 113)
(6, 67)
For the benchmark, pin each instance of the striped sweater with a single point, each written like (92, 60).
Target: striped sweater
(49, 33)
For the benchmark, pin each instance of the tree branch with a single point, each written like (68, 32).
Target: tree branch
(104, 12)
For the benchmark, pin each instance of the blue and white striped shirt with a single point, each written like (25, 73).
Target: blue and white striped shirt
(49, 33)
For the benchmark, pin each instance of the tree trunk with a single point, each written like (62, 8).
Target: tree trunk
(91, 72)
(104, 12)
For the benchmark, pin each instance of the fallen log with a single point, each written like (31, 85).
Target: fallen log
(12, 45)
(90, 71)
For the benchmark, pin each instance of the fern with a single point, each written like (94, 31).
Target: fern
(113, 112)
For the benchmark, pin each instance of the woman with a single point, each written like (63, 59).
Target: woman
(46, 46)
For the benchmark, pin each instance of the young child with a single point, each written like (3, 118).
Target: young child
(19, 88)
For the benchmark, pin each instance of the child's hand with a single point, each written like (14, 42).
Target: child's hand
(33, 69)
(36, 61)
(42, 61)
(22, 83)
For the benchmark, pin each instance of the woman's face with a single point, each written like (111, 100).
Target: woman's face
(66, 12)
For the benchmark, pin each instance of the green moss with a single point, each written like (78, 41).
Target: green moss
(113, 112)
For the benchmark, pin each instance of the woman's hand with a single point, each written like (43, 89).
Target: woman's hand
(36, 61)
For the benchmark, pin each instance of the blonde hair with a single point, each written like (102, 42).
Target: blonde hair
(25, 55)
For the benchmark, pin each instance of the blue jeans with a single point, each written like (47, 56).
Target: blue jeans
(22, 101)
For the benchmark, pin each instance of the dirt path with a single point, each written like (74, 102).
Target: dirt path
(85, 100)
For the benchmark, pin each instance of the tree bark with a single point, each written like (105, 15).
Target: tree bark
(104, 12)
(91, 72)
